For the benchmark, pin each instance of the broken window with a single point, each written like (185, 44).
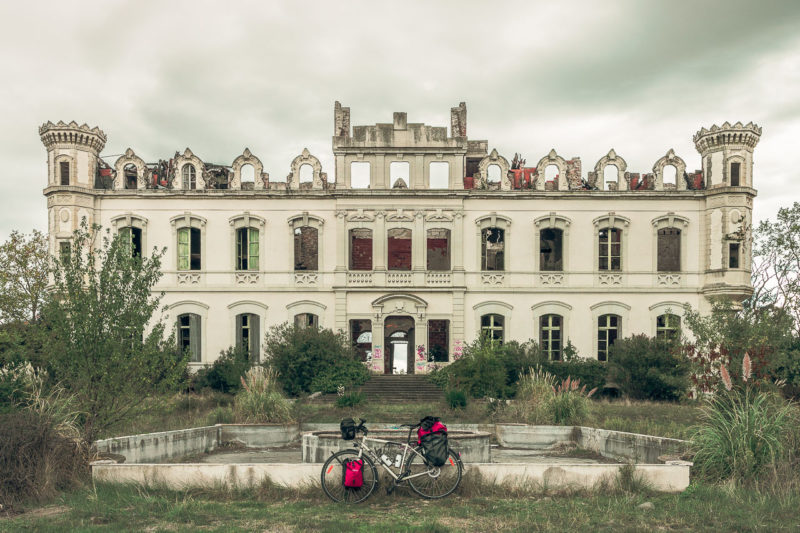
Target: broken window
(439, 177)
(551, 173)
(492, 249)
(669, 250)
(130, 176)
(399, 249)
(735, 174)
(189, 335)
(64, 251)
(306, 320)
(438, 341)
(248, 335)
(133, 237)
(493, 174)
(438, 248)
(306, 173)
(306, 248)
(550, 336)
(361, 249)
(492, 327)
(551, 242)
(361, 336)
(189, 175)
(64, 171)
(247, 249)
(669, 176)
(733, 255)
(610, 245)
(247, 176)
(359, 175)
(668, 327)
(610, 178)
(398, 174)
(607, 333)
(189, 249)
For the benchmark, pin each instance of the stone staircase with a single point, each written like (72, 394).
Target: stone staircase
(405, 388)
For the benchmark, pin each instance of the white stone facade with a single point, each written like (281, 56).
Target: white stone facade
(483, 251)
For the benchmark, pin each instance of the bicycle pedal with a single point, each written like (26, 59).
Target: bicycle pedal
(390, 489)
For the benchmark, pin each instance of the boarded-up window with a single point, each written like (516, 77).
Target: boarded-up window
(247, 249)
(189, 335)
(733, 255)
(306, 320)
(361, 336)
(735, 174)
(438, 341)
(607, 333)
(610, 246)
(493, 247)
(669, 250)
(64, 171)
(399, 249)
(360, 249)
(306, 246)
(189, 249)
(248, 335)
(550, 249)
(438, 248)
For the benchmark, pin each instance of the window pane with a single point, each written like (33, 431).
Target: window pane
(195, 249)
(253, 250)
(183, 249)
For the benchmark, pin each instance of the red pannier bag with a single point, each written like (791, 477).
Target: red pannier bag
(354, 474)
(428, 425)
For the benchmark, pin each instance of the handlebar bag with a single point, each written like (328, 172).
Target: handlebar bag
(348, 429)
(354, 473)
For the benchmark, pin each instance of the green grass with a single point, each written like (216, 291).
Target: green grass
(131, 508)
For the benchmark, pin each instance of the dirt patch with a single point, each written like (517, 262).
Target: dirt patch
(41, 512)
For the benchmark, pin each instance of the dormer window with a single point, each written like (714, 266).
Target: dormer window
(189, 177)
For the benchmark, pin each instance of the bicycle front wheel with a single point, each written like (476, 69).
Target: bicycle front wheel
(333, 478)
(435, 481)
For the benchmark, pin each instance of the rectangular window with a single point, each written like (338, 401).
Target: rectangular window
(64, 171)
(248, 336)
(492, 327)
(607, 333)
(668, 327)
(550, 250)
(189, 335)
(550, 336)
(247, 249)
(438, 248)
(361, 336)
(493, 249)
(438, 341)
(669, 250)
(306, 248)
(64, 251)
(733, 255)
(306, 320)
(189, 249)
(361, 249)
(610, 246)
(399, 249)
(133, 237)
(735, 174)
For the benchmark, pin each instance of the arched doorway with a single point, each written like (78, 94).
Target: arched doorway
(398, 335)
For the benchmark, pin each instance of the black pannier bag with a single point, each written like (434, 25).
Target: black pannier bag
(348, 428)
(432, 436)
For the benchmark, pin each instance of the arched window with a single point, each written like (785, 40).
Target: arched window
(248, 335)
(399, 249)
(668, 326)
(610, 249)
(551, 242)
(551, 173)
(608, 331)
(306, 173)
(247, 249)
(248, 177)
(189, 335)
(438, 249)
(439, 175)
(133, 237)
(306, 248)
(359, 175)
(550, 329)
(493, 174)
(306, 320)
(189, 177)
(610, 178)
(360, 249)
(670, 176)
(130, 176)
(492, 327)
(493, 249)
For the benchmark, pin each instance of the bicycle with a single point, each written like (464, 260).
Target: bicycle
(431, 482)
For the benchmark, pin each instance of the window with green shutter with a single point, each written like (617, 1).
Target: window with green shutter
(252, 264)
(247, 249)
(183, 249)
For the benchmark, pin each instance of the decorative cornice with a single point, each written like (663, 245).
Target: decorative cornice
(62, 133)
(737, 134)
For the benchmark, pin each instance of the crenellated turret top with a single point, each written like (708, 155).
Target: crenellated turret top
(727, 134)
(62, 133)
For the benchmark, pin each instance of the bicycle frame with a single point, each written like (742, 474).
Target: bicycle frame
(362, 446)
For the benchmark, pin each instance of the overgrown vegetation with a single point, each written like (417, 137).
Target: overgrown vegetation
(349, 399)
(225, 373)
(647, 368)
(260, 399)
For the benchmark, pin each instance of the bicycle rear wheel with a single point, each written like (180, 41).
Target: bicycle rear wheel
(332, 478)
(437, 481)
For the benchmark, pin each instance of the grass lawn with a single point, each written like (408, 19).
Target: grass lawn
(130, 508)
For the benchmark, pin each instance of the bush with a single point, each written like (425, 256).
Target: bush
(260, 399)
(456, 399)
(221, 415)
(649, 369)
(350, 399)
(481, 371)
(590, 372)
(569, 405)
(225, 373)
(310, 359)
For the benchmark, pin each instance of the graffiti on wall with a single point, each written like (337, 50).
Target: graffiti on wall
(458, 349)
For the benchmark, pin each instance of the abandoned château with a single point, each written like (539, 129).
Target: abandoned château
(422, 241)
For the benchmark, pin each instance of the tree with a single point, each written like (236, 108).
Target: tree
(24, 263)
(108, 350)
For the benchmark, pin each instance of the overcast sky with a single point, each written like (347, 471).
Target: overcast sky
(580, 77)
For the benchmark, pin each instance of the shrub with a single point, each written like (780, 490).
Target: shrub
(569, 403)
(221, 415)
(350, 399)
(225, 373)
(260, 399)
(310, 359)
(649, 369)
(481, 371)
(456, 399)
(439, 376)
(534, 389)
(590, 372)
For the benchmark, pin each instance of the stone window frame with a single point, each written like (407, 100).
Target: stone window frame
(397, 224)
(188, 220)
(608, 221)
(449, 344)
(248, 220)
(611, 158)
(199, 308)
(551, 221)
(670, 220)
(493, 220)
(305, 158)
(680, 169)
(306, 306)
(247, 158)
(248, 307)
(744, 176)
(305, 219)
(188, 158)
(552, 307)
(428, 174)
(132, 220)
(130, 158)
(494, 307)
(359, 159)
(390, 179)
(359, 224)
(609, 307)
(666, 307)
(73, 177)
(560, 163)
(495, 159)
(438, 226)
